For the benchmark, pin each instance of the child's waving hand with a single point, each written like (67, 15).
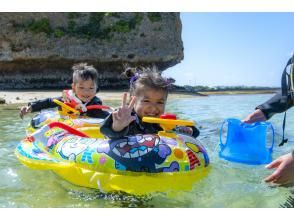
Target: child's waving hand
(122, 116)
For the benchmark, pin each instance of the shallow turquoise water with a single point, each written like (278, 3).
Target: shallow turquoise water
(227, 185)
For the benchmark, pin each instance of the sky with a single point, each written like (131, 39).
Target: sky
(228, 49)
(226, 42)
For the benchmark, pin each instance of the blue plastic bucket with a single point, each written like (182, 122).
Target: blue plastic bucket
(246, 143)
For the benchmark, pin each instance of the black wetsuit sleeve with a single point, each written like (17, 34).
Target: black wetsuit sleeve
(44, 104)
(95, 101)
(96, 113)
(107, 130)
(196, 132)
(276, 104)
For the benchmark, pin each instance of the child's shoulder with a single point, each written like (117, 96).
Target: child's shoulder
(96, 100)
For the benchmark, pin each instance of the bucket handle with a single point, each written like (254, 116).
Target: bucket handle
(221, 134)
(273, 134)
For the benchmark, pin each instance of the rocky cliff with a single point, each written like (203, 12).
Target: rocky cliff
(37, 50)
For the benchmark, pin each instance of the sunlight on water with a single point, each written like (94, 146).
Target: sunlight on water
(227, 185)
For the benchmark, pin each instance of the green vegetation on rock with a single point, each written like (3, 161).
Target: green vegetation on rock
(73, 15)
(136, 20)
(94, 28)
(59, 32)
(38, 26)
(154, 16)
(121, 26)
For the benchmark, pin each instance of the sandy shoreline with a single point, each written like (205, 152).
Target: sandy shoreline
(14, 97)
(23, 97)
(20, 97)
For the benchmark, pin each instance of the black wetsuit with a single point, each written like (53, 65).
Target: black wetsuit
(48, 103)
(276, 104)
(135, 127)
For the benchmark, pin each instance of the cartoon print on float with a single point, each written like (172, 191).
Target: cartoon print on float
(71, 148)
(141, 153)
(134, 153)
(54, 139)
(192, 151)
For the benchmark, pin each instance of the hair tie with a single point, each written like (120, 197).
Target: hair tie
(169, 81)
(134, 78)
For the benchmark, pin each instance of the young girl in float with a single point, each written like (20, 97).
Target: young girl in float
(83, 94)
(148, 91)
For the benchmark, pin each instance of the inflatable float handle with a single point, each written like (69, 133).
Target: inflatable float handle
(167, 124)
(66, 107)
(76, 112)
(90, 107)
(67, 128)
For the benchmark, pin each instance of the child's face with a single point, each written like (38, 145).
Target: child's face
(85, 90)
(150, 103)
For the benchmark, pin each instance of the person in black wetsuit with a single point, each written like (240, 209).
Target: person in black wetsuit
(149, 91)
(284, 165)
(83, 94)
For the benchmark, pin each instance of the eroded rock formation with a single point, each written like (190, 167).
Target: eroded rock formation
(37, 50)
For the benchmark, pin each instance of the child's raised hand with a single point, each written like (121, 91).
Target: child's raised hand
(24, 110)
(122, 116)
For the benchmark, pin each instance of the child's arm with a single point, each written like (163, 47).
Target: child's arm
(38, 106)
(25, 110)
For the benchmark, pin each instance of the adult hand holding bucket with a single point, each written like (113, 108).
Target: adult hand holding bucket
(246, 143)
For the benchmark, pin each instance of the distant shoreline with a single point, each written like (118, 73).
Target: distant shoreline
(227, 92)
(24, 96)
(236, 92)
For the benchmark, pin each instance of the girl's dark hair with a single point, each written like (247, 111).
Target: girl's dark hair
(141, 77)
(84, 71)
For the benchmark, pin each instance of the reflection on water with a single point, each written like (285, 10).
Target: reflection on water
(227, 185)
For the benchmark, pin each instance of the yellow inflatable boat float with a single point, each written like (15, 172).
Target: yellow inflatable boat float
(138, 165)
(67, 115)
